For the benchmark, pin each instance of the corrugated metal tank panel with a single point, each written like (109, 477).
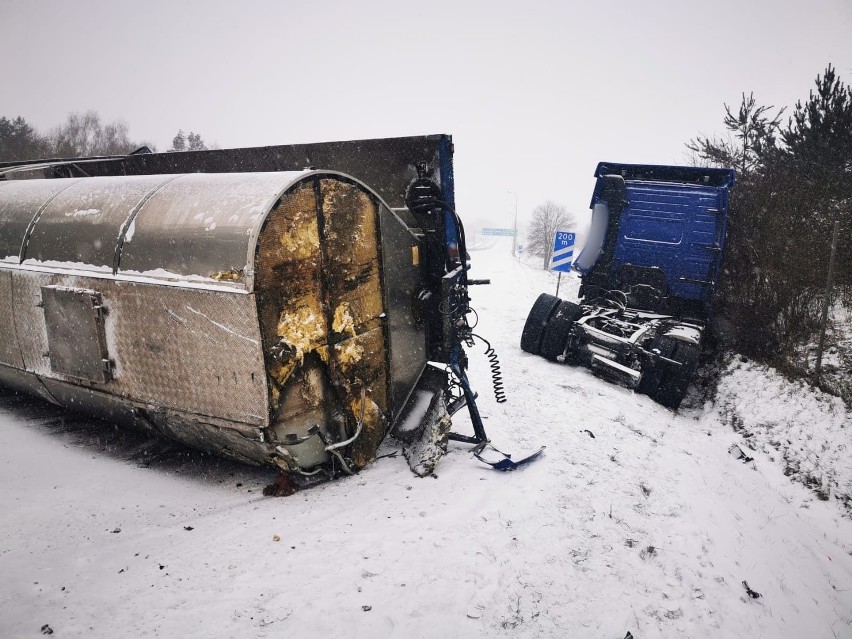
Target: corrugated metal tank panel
(81, 226)
(20, 201)
(203, 227)
(184, 228)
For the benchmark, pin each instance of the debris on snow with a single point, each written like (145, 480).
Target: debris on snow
(649, 551)
(751, 593)
(738, 453)
(282, 486)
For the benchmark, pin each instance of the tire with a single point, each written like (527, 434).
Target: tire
(537, 321)
(654, 369)
(558, 329)
(676, 379)
(667, 383)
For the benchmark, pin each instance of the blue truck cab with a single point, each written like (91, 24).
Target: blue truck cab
(649, 271)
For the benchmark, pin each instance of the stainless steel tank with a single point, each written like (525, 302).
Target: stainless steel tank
(266, 316)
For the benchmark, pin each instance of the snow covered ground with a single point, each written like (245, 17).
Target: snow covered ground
(636, 519)
(810, 432)
(836, 374)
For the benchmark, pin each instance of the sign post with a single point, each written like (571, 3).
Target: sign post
(562, 255)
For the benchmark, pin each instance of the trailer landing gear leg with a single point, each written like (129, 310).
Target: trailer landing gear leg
(480, 438)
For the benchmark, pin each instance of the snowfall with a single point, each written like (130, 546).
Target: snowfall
(635, 520)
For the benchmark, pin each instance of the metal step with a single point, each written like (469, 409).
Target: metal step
(598, 360)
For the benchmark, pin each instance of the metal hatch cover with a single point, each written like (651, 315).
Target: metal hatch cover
(75, 333)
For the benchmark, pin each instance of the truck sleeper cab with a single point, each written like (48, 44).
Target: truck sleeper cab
(649, 273)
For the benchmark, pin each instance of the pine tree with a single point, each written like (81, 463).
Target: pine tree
(188, 142)
(20, 141)
(194, 142)
(179, 142)
(819, 147)
(819, 134)
(752, 137)
(794, 182)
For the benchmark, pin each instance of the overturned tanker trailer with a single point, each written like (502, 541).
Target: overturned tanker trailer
(276, 316)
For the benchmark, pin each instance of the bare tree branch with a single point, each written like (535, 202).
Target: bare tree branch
(547, 218)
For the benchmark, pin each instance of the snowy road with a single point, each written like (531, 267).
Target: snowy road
(650, 526)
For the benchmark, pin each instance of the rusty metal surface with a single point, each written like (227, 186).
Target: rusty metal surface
(357, 355)
(322, 307)
(191, 350)
(80, 226)
(294, 327)
(19, 203)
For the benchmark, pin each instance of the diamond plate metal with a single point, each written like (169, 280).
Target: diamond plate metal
(29, 317)
(190, 350)
(10, 353)
(193, 350)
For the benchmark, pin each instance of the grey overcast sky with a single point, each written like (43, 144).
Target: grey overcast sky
(534, 93)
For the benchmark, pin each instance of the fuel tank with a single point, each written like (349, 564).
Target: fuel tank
(264, 316)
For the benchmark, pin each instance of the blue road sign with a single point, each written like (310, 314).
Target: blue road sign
(563, 251)
(501, 232)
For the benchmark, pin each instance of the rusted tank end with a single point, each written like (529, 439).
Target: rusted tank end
(319, 296)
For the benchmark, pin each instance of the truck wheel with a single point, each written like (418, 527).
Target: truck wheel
(537, 321)
(654, 369)
(557, 330)
(676, 379)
